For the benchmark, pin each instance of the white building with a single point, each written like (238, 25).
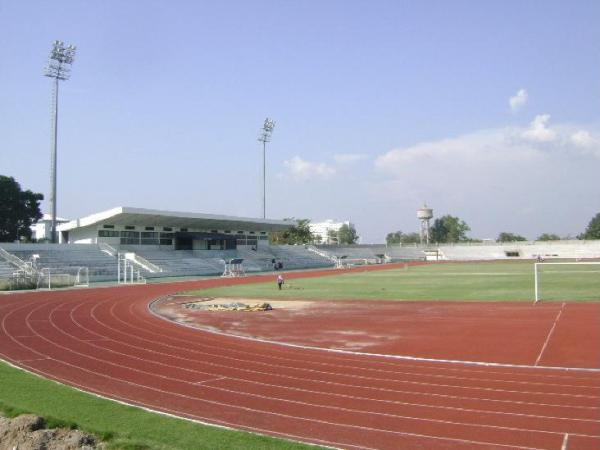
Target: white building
(323, 229)
(42, 229)
(169, 230)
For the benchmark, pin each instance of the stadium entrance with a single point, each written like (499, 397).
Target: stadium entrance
(204, 241)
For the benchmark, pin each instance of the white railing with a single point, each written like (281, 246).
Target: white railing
(26, 267)
(143, 262)
(322, 253)
(108, 249)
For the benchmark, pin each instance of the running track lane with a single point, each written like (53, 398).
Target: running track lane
(107, 342)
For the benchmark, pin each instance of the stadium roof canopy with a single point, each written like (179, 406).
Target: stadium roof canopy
(124, 215)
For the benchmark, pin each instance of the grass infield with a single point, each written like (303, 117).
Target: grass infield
(487, 281)
(121, 427)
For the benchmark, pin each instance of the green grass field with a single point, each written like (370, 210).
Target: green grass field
(122, 427)
(503, 281)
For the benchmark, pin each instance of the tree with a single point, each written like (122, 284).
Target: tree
(593, 229)
(347, 235)
(18, 210)
(296, 234)
(398, 237)
(548, 237)
(449, 229)
(509, 237)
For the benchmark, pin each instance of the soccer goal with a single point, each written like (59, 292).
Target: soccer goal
(567, 281)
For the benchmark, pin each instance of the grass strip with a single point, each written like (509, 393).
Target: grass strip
(121, 427)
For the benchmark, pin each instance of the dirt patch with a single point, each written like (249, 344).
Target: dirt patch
(28, 432)
(276, 304)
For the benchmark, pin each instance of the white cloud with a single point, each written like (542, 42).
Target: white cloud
(538, 130)
(302, 170)
(518, 100)
(586, 143)
(582, 138)
(349, 158)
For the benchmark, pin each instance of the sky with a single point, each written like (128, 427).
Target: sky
(484, 110)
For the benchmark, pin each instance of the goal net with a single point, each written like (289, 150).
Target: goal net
(567, 281)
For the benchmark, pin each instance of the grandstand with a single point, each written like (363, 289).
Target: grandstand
(174, 244)
(471, 251)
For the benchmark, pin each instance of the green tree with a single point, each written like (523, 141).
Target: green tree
(593, 229)
(18, 210)
(548, 237)
(347, 235)
(398, 237)
(296, 234)
(449, 229)
(509, 237)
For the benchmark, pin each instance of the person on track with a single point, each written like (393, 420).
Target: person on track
(280, 281)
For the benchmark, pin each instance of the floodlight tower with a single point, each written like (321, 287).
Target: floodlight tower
(424, 214)
(265, 136)
(59, 68)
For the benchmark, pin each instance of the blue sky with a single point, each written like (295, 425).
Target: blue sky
(380, 106)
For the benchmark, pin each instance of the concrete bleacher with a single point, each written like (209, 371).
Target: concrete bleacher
(183, 262)
(67, 258)
(212, 262)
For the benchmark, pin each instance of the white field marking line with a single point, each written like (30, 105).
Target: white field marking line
(379, 355)
(128, 324)
(395, 372)
(252, 410)
(550, 334)
(208, 381)
(565, 442)
(289, 388)
(282, 400)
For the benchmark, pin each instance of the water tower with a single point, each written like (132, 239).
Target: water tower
(424, 214)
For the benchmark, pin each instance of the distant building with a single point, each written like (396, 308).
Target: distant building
(323, 230)
(42, 229)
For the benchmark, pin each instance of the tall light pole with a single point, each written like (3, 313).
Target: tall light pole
(59, 68)
(265, 136)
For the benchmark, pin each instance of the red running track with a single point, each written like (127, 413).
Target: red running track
(107, 342)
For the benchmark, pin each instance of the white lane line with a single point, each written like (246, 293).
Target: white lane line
(565, 442)
(212, 379)
(549, 334)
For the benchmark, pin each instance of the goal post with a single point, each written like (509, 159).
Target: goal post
(570, 280)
